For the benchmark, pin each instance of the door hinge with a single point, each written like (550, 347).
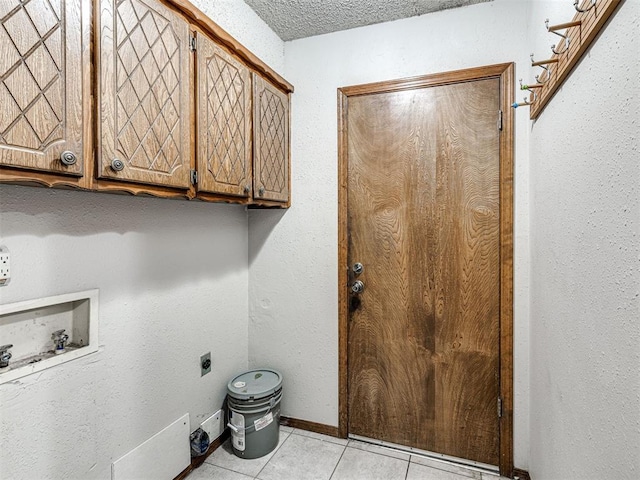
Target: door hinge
(499, 407)
(194, 177)
(500, 120)
(192, 43)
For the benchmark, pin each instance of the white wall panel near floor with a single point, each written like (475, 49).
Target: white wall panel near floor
(293, 255)
(162, 457)
(585, 260)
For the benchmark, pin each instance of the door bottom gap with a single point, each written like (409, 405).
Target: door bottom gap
(439, 457)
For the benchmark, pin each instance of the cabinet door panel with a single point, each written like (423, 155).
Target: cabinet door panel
(224, 121)
(144, 93)
(271, 141)
(41, 94)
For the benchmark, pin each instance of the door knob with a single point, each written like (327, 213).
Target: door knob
(357, 287)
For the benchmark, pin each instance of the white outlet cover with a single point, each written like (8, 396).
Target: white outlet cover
(5, 266)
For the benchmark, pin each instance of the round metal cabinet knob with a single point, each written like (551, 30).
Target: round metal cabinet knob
(117, 165)
(247, 189)
(261, 192)
(357, 287)
(68, 158)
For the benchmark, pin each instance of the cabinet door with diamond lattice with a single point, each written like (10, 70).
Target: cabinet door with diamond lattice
(42, 43)
(270, 141)
(224, 121)
(145, 85)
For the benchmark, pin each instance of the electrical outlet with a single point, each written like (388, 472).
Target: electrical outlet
(5, 264)
(214, 425)
(205, 364)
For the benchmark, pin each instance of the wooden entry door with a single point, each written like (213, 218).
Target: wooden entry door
(422, 171)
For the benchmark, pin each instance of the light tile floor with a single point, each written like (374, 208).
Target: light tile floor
(303, 455)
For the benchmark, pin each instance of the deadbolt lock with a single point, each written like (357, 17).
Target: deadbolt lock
(357, 287)
(358, 268)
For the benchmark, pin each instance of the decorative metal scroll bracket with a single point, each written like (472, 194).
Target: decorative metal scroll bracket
(544, 65)
(565, 36)
(532, 98)
(576, 36)
(576, 4)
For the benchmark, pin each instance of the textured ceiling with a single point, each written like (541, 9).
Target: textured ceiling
(293, 19)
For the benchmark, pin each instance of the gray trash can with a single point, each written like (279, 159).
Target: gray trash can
(254, 398)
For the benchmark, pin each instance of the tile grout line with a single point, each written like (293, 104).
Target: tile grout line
(274, 454)
(471, 471)
(381, 452)
(227, 469)
(321, 439)
(338, 463)
(406, 474)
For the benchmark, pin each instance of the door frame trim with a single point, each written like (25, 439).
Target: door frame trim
(505, 73)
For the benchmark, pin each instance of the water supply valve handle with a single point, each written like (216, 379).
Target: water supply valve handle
(59, 338)
(5, 355)
(58, 334)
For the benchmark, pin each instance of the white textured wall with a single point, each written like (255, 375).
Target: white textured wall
(237, 18)
(585, 261)
(173, 280)
(585, 277)
(293, 299)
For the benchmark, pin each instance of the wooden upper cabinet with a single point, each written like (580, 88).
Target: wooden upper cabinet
(271, 141)
(160, 109)
(42, 101)
(223, 121)
(145, 84)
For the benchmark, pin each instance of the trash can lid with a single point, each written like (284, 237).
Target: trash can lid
(255, 384)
